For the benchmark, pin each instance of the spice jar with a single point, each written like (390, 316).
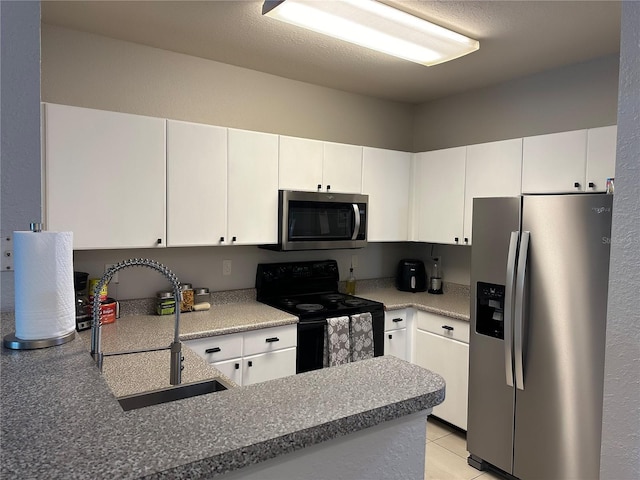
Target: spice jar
(186, 304)
(201, 295)
(165, 303)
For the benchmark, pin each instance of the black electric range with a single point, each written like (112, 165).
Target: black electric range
(309, 290)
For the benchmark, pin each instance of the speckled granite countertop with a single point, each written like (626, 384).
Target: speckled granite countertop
(60, 419)
(453, 303)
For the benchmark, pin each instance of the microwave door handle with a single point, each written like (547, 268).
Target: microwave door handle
(518, 333)
(508, 308)
(356, 228)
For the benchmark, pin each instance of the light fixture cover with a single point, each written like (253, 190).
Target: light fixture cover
(374, 25)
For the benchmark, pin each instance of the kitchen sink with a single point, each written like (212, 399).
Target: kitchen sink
(178, 392)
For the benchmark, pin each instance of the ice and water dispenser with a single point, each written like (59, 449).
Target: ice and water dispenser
(490, 310)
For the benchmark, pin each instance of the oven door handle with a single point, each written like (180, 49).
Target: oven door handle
(313, 323)
(356, 227)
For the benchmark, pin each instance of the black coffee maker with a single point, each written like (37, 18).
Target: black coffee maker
(83, 319)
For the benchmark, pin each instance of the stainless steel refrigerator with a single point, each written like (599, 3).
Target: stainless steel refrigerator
(539, 275)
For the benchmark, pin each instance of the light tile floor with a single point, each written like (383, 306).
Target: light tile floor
(446, 455)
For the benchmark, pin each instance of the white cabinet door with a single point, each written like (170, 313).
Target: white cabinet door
(300, 164)
(449, 359)
(601, 157)
(342, 168)
(395, 343)
(492, 170)
(554, 163)
(438, 195)
(386, 179)
(268, 366)
(252, 188)
(196, 184)
(105, 177)
(231, 369)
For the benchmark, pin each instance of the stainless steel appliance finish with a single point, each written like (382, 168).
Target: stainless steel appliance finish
(320, 220)
(539, 275)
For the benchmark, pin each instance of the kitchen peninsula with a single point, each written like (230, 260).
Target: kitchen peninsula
(60, 418)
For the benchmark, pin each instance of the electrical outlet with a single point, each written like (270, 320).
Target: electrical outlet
(226, 267)
(354, 261)
(114, 278)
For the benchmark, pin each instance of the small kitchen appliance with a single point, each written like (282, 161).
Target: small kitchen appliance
(435, 282)
(309, 290)
(411, 276)
(83, 317)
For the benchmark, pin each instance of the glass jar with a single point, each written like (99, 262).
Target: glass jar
(165, 303)
(186, 304)
(201, 295)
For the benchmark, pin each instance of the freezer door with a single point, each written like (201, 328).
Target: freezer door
(559, 409)
(491, 399)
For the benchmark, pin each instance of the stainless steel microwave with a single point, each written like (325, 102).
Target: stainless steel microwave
(321, 220)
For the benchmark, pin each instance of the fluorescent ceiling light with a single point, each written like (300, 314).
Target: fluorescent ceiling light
(374, 25)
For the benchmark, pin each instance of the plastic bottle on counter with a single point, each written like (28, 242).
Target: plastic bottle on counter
(351, 283)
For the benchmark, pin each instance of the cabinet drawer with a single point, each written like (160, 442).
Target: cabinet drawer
(218, 348)
(270, 339)
(395, 319)
(395, 343)
(445, 326)
(268, 366)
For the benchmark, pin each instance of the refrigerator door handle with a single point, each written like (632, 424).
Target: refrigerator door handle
(508, 307)
(519, 310)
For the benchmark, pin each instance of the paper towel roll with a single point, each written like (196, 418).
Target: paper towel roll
(44, 294)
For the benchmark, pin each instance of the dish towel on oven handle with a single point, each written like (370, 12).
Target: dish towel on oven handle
(337, 345)
(361, 337)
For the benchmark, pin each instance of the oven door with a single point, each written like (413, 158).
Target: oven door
(310, 351)
(317, 220)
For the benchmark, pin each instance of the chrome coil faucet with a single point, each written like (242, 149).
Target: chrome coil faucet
(175, 347)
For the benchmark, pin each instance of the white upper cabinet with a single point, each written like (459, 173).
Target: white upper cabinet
(300, 164)
(493, 170)
(342, 168)
(196, 184)
(438, 195)
(315, 166)
(554, 163)
(252, 188)
(601, 157)
(104, 177)
(386, 179)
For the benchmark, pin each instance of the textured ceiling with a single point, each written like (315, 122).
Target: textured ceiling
(517, 38)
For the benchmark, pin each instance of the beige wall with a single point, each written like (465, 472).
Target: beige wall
(93, 71)
(577, 96)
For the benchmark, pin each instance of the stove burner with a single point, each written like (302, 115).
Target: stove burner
(309, 307)
(288, 302)
(353, 302)
(332, 297)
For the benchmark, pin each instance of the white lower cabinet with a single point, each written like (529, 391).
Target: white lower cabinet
(268, 366)
(251, 357)
(396, 339)
(442, 346)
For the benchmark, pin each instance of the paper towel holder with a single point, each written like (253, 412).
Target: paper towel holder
(14, 343)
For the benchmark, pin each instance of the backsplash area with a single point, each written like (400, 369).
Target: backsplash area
(203, 266)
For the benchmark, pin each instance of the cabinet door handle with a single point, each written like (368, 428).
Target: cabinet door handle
(447, 327)
(396, 320)
(328, 187)
(592, 185)
(212, 350)
(237, 365)
(221, 239)
(233, 239)
(272, 339)
(466, 239)
(576, 184)
(456, 239)
(159, 241)
(319, 187)
(390, 336)
(250, 363)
